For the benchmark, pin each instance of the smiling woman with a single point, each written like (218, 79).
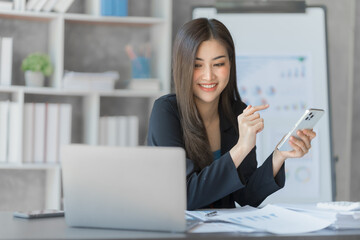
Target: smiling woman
(218, 131)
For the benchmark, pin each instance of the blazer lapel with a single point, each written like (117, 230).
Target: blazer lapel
(229, 134)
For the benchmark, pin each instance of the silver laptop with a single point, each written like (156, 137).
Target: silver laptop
(142, 188)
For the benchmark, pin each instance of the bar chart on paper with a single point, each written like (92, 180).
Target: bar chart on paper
(276, 220)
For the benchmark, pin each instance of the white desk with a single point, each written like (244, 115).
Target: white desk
(55, 228)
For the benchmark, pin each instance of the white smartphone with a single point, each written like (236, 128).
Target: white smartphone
(307, 121)
(39, 213)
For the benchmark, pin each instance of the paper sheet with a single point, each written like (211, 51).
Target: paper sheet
(276, 220)
(201, 214)
(340, 219)
(212, 225)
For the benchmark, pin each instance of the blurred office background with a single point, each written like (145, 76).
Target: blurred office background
(26, 189)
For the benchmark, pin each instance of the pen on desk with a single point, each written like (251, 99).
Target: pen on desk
(211, 214)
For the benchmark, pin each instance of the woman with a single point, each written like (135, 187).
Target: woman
(218, 131)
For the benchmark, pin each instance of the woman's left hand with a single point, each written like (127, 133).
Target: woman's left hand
(300, 145)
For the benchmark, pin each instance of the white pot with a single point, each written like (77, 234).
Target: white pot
(34, 79)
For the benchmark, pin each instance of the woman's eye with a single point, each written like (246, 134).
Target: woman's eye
(219, 64)
(197, 65)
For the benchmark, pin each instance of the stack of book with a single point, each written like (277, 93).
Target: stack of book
(6, 5)
(119, 131)
(6, 55)
(90, 81)
(9, 132)
(47, 126)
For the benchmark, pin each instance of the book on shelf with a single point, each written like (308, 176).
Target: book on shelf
(6, 61)
(4, 126)
(122, 130)
(49, 5)
(10, 135)
(16, 5)
(28, 128)
(19, 5)
(39, 5)
(64, 126)
(30, 5)
(133, 131)
(62, 6)
(14, 135)
(46, 127)
(111, 134)
(52, 133)
(106, 8)
(114, 8)
(119, 131)
(102, 133)
(39, 132)
(120, 8)
(6, 5)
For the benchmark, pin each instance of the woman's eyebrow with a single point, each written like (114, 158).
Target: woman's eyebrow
(200, 59)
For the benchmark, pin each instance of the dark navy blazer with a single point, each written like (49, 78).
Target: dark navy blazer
(220, 184)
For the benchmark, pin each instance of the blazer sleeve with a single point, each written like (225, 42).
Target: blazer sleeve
(259, 182)
(203, 187)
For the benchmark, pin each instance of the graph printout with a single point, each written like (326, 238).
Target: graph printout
(276, 220)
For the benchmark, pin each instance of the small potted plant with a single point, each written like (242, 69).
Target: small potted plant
(36, 66)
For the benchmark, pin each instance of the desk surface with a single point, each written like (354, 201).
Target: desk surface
(56, 228)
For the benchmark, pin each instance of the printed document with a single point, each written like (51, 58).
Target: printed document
(340, 219)
(271, 219)
(277, 220)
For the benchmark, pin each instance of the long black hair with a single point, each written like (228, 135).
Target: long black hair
(187, 42)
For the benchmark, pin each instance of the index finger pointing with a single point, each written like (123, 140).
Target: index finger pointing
(256, 108)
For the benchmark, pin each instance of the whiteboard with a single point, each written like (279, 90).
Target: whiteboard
(282, 60)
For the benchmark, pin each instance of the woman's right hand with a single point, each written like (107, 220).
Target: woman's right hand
(250, 123)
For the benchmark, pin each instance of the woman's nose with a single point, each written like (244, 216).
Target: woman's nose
(208, 74)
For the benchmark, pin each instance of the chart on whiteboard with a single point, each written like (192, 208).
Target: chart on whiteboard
(284, 81)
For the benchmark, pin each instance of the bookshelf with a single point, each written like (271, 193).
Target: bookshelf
(58, 33)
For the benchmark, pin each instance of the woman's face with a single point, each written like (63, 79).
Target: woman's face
(211, 71)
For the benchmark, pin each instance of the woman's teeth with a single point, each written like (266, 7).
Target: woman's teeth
(208, 86)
